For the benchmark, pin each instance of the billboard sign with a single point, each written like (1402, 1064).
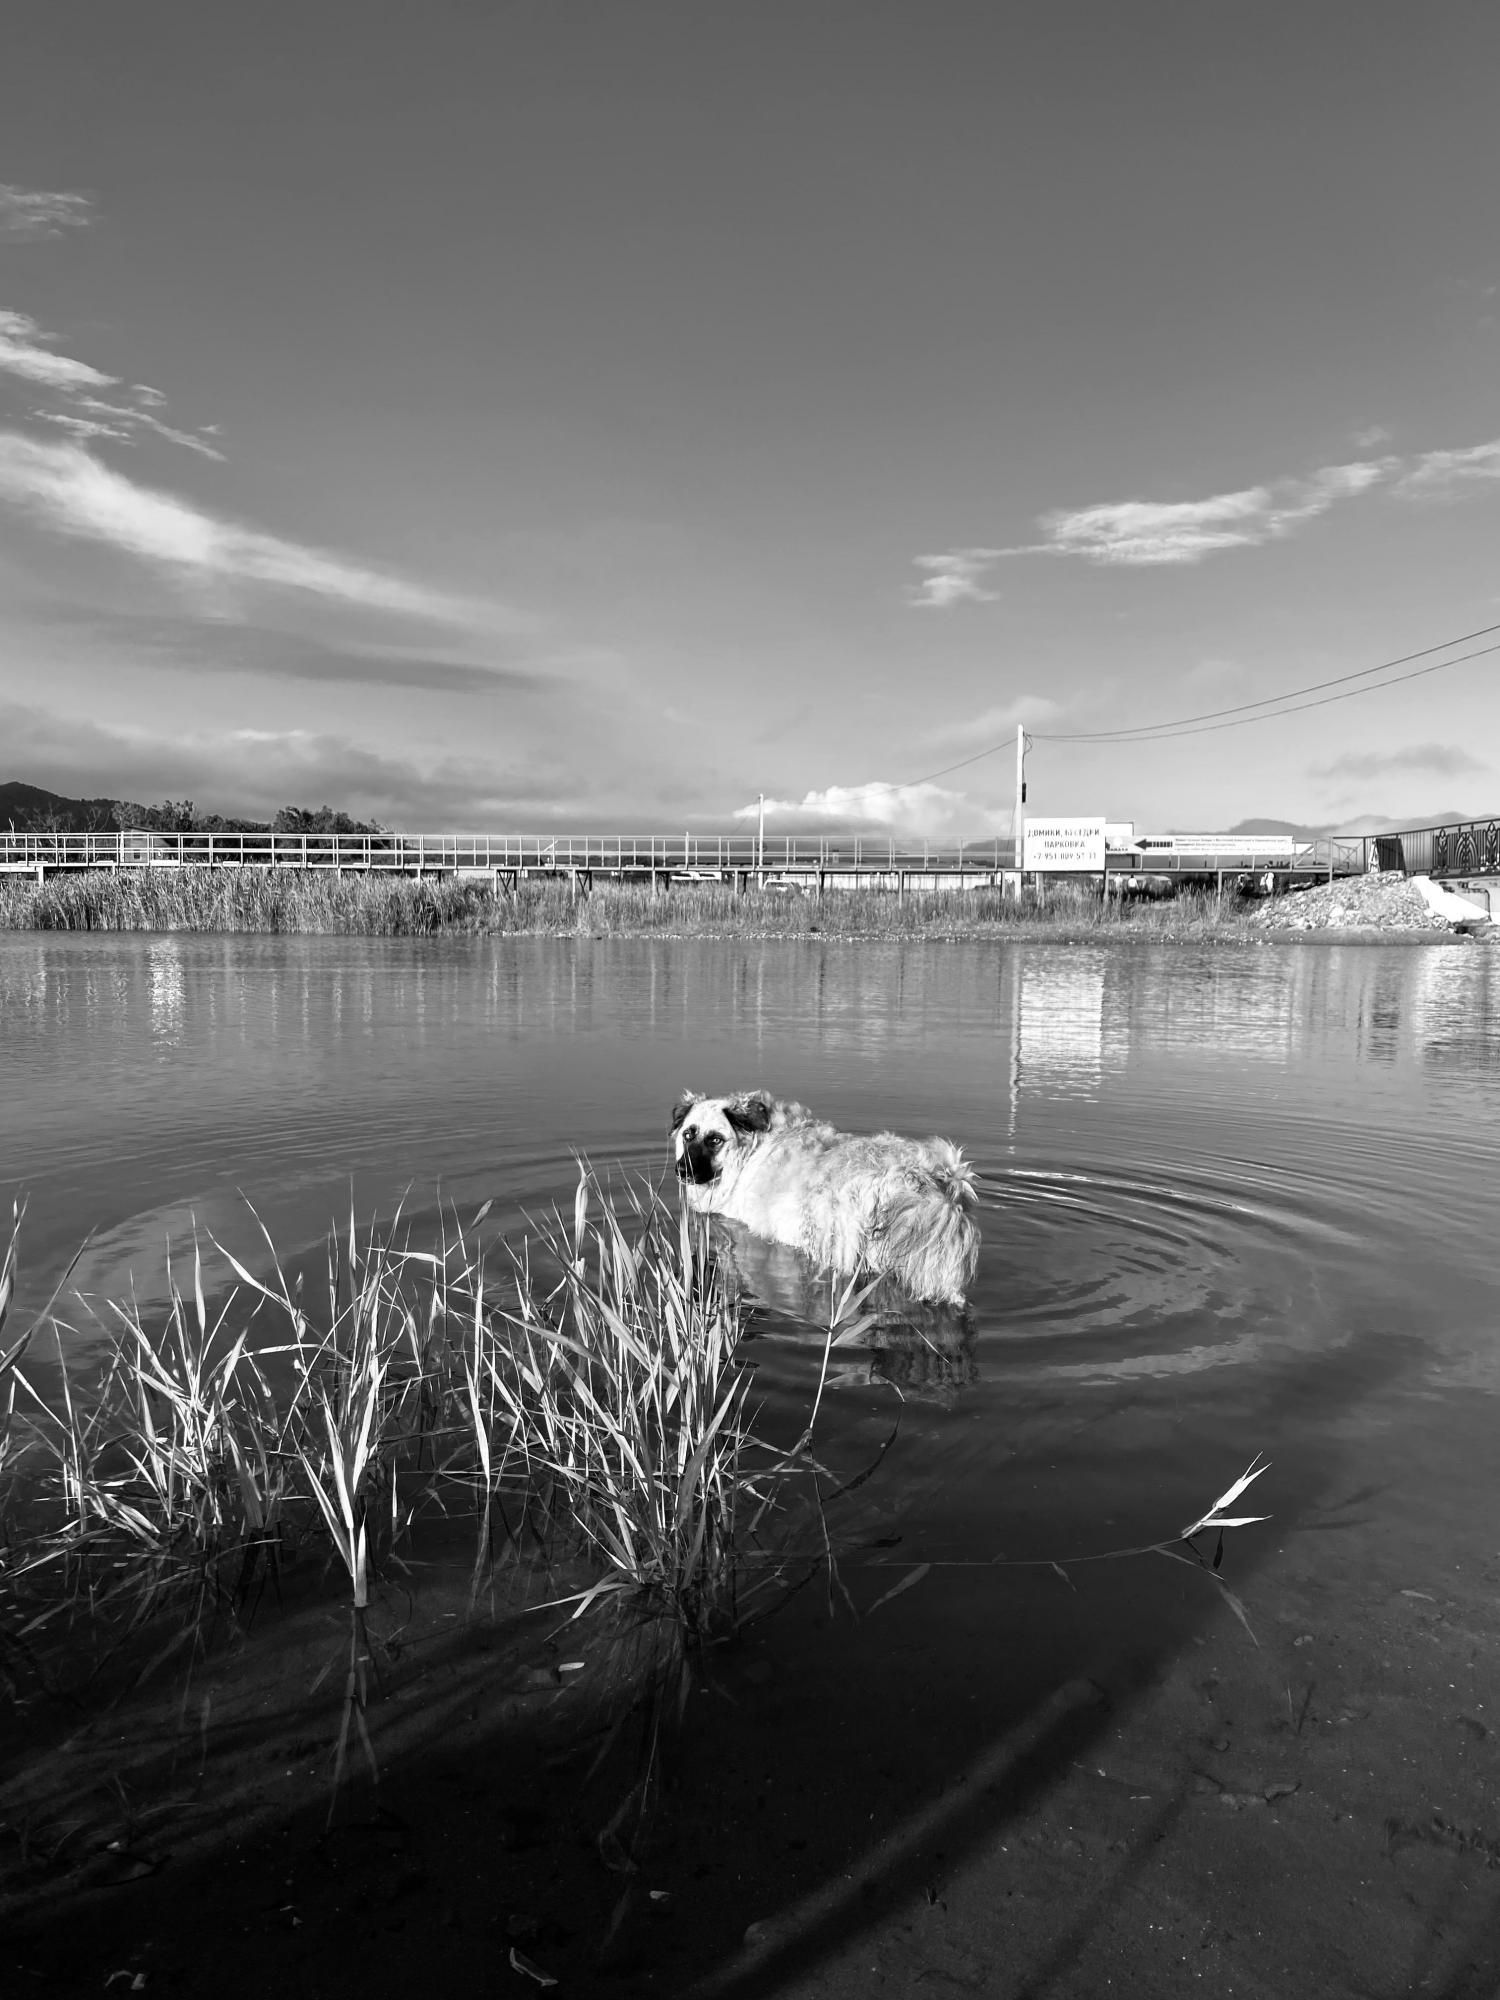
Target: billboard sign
(1272, 845)
(1063, 846)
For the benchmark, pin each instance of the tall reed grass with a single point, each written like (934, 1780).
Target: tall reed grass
(244, 899)
(578, 1394)
(289, 900)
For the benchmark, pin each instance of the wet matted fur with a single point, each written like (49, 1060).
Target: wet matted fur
(849, 1201)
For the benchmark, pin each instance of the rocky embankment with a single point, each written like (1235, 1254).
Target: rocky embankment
(1370, 903)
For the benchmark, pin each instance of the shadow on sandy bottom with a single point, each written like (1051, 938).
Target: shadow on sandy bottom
(1004, 1780)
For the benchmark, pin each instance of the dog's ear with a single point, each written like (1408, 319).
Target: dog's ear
(750, 1112)
(681, 1108)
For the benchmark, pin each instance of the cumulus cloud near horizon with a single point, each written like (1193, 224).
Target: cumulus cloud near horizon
(926, 811)
(69, 491)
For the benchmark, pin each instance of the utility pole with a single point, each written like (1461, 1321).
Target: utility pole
(1020, 820)
(760, 838)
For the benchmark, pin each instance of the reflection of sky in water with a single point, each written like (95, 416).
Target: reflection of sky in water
(164, 973)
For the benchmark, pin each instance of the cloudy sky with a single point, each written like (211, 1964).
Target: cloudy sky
(551, 415)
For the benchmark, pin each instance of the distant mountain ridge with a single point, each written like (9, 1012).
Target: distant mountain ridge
(1369, 823)
(21, 804)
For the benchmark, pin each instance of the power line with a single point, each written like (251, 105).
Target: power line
(1349, 694)
(1292, 694)
(1196, 725)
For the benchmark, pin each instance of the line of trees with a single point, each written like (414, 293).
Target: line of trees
(180, 816)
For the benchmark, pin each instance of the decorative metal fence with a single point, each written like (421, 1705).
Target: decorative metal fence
(1462, 847)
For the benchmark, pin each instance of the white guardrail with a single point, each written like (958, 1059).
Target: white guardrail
(709, 855)
(618, 853)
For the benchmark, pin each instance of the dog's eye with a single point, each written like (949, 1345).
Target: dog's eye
(714, 1139)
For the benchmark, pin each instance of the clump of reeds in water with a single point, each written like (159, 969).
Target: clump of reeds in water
(619, 1391)
(581, 1395)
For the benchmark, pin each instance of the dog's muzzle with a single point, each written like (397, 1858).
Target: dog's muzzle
(698, 1164)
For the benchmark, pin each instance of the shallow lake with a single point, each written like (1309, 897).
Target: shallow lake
(1233, 1201)
(1200, 1170)
(1193, 1164)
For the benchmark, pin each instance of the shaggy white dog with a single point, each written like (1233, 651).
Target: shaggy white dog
(891, 1206)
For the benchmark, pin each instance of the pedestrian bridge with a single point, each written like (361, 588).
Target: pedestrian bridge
(807, 860)
(1461, 849)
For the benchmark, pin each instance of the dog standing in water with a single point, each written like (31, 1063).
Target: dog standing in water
(895, 1207)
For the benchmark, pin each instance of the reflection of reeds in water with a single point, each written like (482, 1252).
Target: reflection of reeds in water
(923, 1368)
(294, 900)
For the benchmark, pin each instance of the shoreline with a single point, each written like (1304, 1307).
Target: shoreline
(228, 903)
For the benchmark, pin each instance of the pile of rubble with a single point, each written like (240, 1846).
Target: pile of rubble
(1385, 902)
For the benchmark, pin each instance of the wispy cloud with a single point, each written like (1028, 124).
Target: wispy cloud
(1156, 533)
(993, 723)
(952, 578)
(1443, 760)
(1441, 475)
(209, 647)
(120, 420)
(25, 350)
(28, 353)
(924, 811)
(28, 214)
(66, 489)
(1150, 532)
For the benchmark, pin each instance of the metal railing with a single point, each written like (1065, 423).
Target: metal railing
(1460, 847)
(623, 853)
(724, 856)
(1350, 855)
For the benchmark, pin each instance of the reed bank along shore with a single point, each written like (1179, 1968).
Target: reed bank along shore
(287, 901)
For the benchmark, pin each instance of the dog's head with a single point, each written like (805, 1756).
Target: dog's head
(710, 1132)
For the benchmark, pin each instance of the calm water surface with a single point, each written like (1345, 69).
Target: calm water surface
(1205, 1173)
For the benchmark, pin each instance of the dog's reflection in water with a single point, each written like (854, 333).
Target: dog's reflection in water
(925, 1350)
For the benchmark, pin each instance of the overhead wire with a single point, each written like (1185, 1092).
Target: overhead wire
(1288, 702)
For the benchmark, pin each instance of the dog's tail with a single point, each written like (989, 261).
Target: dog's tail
(935, 1255)
(952, 1172)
